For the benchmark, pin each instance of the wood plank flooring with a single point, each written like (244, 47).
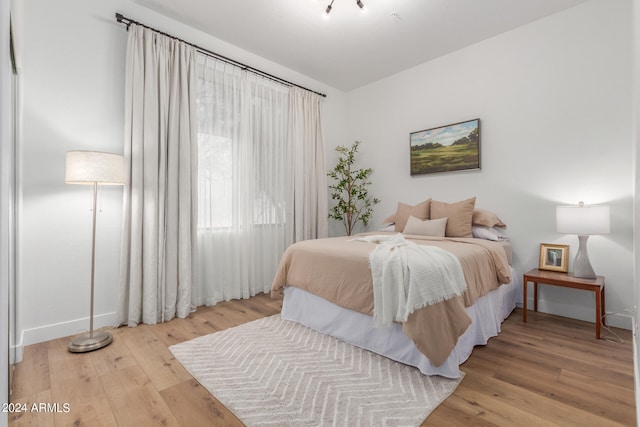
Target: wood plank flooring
(550, 371)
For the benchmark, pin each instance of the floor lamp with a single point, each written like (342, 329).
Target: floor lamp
(93, 168)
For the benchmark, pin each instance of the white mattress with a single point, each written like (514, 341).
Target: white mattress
(356, 328)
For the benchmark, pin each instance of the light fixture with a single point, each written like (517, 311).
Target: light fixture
(359, 3)
(328, 9)
(93, 168)
(583, 220)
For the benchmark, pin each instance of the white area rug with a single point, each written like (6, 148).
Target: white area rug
(280, 373)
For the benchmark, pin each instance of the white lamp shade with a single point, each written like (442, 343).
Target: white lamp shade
(583, 220)
(88, 167)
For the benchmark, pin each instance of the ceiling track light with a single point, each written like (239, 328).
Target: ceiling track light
(328, 9)
(359, 3)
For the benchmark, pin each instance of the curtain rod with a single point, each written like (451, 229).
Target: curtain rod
(127, 21)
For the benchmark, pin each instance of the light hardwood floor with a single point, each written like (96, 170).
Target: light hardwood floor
(549, 371)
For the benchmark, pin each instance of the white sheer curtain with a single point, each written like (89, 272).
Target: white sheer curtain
(244, 181)
(158, 245)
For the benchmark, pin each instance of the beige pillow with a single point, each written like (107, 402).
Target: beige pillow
(486, 218)
(404, 211)
(428, 227)
(460, 215)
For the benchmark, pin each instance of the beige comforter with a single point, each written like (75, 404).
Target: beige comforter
(337, 269)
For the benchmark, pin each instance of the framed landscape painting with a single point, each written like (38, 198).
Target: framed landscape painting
(448, 148)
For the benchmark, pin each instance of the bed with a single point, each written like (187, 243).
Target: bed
(328, 286)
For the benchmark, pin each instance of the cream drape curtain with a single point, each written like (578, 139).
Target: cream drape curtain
(308, 195)
(158, 245)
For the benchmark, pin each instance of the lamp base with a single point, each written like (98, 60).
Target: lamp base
(581, 264)
(85, 343)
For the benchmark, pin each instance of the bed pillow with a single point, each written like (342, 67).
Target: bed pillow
(428, 227)
(486, 218)
(404, 211)
(460, 215)
(488, 233)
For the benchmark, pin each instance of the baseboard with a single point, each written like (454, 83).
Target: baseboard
(15, 354)
(62, 329)
(578, 312)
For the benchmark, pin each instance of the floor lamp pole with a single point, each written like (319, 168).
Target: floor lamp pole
(98, 339)
(93, 254)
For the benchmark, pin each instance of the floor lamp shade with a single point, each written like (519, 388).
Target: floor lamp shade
(584, 221)
(88, 167)
(93, 168)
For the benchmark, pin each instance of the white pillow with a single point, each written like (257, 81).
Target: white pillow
(433, 227)
(487, 233)
(390, 227)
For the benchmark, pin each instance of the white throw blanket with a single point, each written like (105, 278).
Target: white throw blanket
(407, 276)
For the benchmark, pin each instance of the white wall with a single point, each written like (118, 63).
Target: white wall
(5, 202)
(636, 232)
(73, 78)
(554, 100)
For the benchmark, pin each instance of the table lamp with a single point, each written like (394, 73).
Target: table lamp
(583, 220)
(93, 168)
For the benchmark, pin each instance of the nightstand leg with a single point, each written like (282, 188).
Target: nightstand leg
(598, 312)
(524, 300)
(535, 296)
(602, 308)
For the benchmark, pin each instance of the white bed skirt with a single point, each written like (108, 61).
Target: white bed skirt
(487, 314)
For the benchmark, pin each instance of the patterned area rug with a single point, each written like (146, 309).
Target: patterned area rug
(280, 373)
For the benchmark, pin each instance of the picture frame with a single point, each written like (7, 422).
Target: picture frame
(554, 257)
(449, 148)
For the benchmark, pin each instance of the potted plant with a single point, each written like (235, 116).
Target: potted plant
(350, 192)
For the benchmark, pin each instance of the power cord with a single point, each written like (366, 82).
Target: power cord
(627, 312)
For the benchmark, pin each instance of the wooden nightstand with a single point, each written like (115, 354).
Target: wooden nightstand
(566, 280)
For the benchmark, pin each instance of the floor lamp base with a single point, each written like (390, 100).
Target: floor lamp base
(85, 343)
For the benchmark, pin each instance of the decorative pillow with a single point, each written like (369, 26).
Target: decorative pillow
(487, 233)
(433, 227)
(486, 218)
(404, 211)
(390, 227)
(459, 214)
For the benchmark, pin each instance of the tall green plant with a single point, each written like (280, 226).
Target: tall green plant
(350, 192)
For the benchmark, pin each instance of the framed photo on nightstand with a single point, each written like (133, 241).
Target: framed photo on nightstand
(554, 257)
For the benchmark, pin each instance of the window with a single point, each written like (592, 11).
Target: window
(242, 153)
